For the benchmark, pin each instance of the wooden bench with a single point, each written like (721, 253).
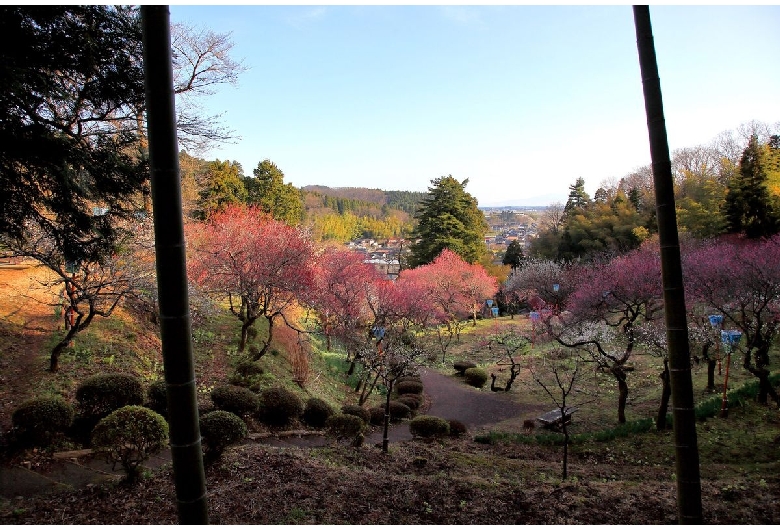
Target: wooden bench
(555, 420)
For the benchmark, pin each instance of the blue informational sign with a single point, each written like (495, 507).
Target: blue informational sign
(730, 336)
(489, 303)
(495, 311)
(716, 320)
(534, 316)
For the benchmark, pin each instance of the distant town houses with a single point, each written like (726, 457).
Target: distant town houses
(384, 256)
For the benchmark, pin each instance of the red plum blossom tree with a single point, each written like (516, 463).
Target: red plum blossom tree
(263, 267)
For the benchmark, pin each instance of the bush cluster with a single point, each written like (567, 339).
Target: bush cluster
(345, 426)
(157, 397)
(37, 420)
(316, 412)
(219, 430)
(462, 366)
(476, 377)
(409, 387)
(429, 427)
(236, 399)
(357, 410)
(376, 415)
(247, 372)
(279, 406)
(129, 436)
(457, 427)
(102, 394)
(413, 401)
(413, 378)
(399, 411)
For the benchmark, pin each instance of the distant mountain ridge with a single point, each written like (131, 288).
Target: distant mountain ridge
(406, 200)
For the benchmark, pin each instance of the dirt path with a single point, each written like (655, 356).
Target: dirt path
(453, 399)
(25, 325)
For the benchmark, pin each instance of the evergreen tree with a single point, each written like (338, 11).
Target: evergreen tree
(268, 191)
(71, 81)
(224, 187)
(448, 218)
(577, 196)
(514, 255)
(749, 208)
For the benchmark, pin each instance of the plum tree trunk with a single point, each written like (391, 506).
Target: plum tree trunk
(620, 376)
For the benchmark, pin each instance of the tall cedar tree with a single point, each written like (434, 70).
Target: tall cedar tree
(70, 87)
(577, 196)
(267, 191)
(514, 255)
(750, 209)
(448, 218)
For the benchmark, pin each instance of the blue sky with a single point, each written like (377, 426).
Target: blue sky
(521, 100)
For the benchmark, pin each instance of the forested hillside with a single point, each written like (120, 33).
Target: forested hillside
(332, 214)
(729, 186)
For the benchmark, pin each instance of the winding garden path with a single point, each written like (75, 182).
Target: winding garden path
(452, 399)
(449, 398)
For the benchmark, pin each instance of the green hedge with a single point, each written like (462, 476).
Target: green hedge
(221, 429)
(429, 427)
(101, 394)
(279, 406)
(38, 420)
(129, 436)
(316, 412)
(476, 377)
(236, 399)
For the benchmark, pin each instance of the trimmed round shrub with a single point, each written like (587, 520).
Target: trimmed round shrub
(221, 429)
(476, 377)
(316, 412)
(129, 436)
(247, 373)
(37, 420)
(414, 378)
(157, 397)
(278, 406)
(102, 394)
(399, 411)
(345, 426)
(413, 401)
(357, 410)
(376, 415)
(247, 367)
(429, 426)
(457, 427)
(409, 387)
(236, 399)
(462, 366)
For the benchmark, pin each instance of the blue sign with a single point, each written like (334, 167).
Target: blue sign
(715, 320)
(534, 316)
(495, 311)
(730, 337)
(489, 303)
